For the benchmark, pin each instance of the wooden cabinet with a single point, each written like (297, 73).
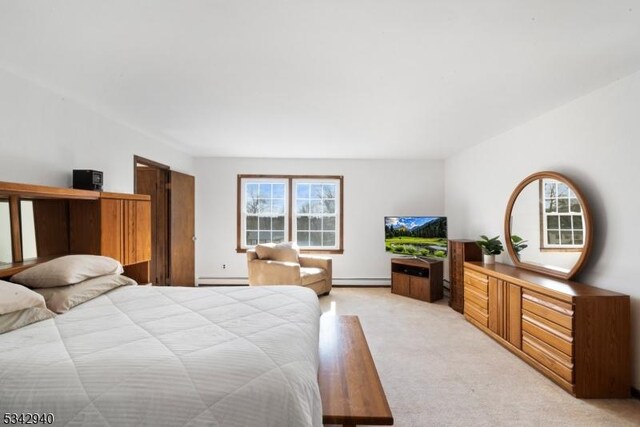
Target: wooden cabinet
(460, 250)
(577, 335)
(117, 226)
(417, 278)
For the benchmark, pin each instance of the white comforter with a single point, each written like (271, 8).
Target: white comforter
(156, 356)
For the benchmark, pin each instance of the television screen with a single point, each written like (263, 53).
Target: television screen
(416, 235)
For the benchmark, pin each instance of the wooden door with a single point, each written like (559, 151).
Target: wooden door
(152, 181)
(182, 229)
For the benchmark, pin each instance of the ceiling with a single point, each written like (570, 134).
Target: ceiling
(321, 79)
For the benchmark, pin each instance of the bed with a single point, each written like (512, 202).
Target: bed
(163, 356)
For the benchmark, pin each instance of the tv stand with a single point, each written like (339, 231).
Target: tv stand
(417, 278)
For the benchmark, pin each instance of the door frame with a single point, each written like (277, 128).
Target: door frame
(166, 171)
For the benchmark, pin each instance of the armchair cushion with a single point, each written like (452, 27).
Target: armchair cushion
(287, 252)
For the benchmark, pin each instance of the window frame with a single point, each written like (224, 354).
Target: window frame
(545, 246)
(337, 210)
(241, 247)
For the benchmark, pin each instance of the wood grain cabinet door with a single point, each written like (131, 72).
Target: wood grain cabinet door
(111, 229)
(137, 231)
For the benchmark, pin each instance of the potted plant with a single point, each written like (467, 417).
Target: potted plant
(490, 248)
(518, 244)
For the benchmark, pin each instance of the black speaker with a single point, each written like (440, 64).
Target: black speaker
(85, 179)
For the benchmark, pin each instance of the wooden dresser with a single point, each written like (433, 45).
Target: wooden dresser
(460, 250)
(577, 335)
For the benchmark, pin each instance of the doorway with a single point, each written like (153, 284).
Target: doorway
(172, 221)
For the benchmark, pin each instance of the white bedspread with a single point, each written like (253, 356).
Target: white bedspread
(159, 356)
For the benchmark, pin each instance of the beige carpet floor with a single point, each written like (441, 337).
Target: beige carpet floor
(439, 370)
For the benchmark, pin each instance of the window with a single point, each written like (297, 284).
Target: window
(562, 220)
(305, 209)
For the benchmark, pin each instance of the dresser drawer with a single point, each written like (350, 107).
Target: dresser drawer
(558, 312)
(473, 296)
(548, 335)
(476, 280)
(548, 356)
(472, 311)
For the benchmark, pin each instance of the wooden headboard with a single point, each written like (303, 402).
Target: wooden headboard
(69, 221)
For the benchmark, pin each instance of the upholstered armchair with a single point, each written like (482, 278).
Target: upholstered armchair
(310, 271)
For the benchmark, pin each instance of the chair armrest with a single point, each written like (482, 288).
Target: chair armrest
(251, 254)
(267, 272)
(318, 262)
(315, 261)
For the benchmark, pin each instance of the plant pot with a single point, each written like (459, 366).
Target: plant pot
(489, 259)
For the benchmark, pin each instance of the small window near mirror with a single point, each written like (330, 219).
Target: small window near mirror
(562, 218)
(6, 256)
(27, 224)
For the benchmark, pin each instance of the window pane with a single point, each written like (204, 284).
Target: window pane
(329, 206)
(302, 191)
(316, 206)
(252, 222)
(329, 191)
(563, 205)
(578, 238)
(329, 223)
(252, 190)
(303, 223)
(566, 237)
(550, 189)
(278, 191)
(251, 205)
(265, 191)
(328, 239)
(277, 237)
(575, 206)
(303, 238)
(552, 222)
(277, 223)
(265, 237)
(252, 238)
(315, 223)
(550, 205)
(553, 237)
(264, 223)
(302, 206)
(577, 222)
(277, 206)
(316, 191)
(565, 222)
(563, 190)
(315, 238)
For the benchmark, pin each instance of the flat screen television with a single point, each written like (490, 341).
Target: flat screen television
(420, 236)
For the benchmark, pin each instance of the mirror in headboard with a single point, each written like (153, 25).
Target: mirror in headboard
(28, 230)
(551, 216)
(6, 256)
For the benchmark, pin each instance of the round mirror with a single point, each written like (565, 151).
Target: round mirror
(547, 225)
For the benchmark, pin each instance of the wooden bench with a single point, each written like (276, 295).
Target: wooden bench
(349, 384)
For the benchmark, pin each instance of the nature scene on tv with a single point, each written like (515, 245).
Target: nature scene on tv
(416, 235)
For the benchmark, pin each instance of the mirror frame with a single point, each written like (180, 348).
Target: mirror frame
(588, 226)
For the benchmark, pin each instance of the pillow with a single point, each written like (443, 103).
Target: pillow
(63, 298)
(67, 270)
(20, 306)
(287, 252)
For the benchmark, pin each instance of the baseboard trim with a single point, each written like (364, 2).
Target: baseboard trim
(337, 281)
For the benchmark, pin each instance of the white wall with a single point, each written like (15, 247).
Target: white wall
(373, 189)
(594, 140)
(44, 135)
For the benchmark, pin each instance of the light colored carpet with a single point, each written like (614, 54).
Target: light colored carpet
(439, 370)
